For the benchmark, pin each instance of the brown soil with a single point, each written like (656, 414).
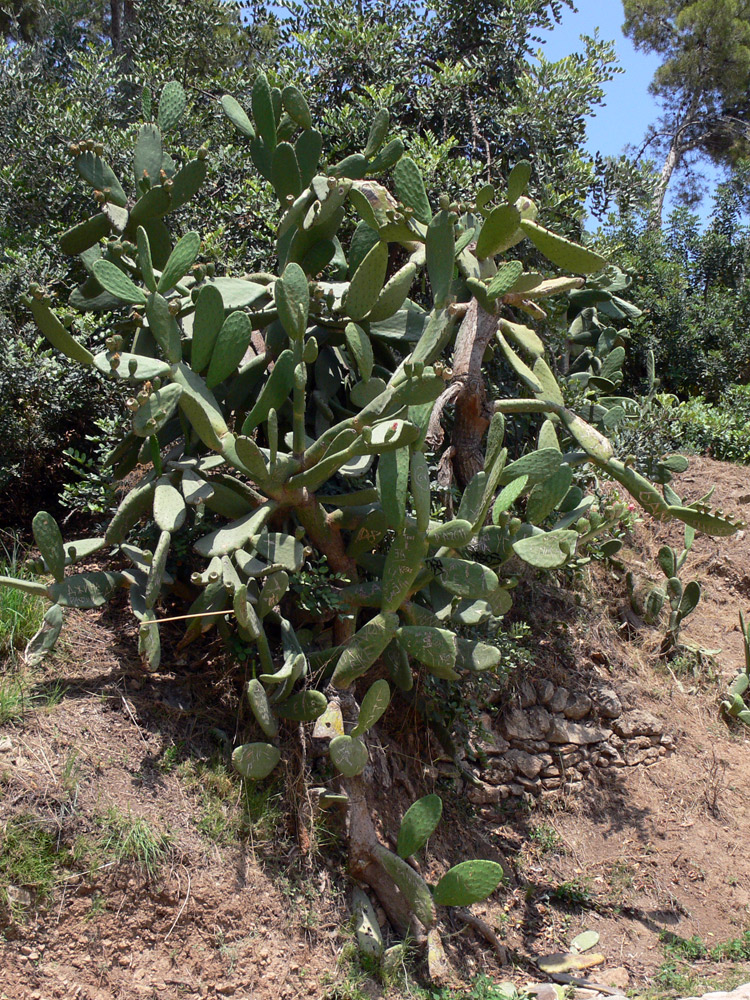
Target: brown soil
(249, 908)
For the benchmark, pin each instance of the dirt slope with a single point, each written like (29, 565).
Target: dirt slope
(122, 772)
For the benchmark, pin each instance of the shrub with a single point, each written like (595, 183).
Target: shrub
(282, 417)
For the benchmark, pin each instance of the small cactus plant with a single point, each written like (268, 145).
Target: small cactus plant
(734, 706)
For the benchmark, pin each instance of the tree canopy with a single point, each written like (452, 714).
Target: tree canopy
(702, 81)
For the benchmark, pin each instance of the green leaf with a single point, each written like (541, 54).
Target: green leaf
(117, 283)
(498, 231)
(359, 344)
(255, 761)
(180, 261)
(172, 105)
(349, 755)
(410, 189)
(263, 113)
(418, 824)
(237, 116)
(231, 343)
(584, 941)
(296, 106)
(440, 253)
(562, 252)
(292, 297)
(374, 703)
(367, 282)
(467, 883)
(49, 541)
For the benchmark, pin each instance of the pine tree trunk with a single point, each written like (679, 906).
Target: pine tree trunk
(115, 26)
(670, 164)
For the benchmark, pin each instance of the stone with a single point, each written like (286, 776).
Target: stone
(527, 694)
(552, 783)
(641, 742)
(6, 744)
(484, 794)
(545, 689)
(608, 702)
(578, 707)
(542, 991)
(564, 731)
(559, 700)
(489, 742)
(524, 763)
(18, 896)
(741, 993)
(531, 746)
(530, 785)
(516, 790)
(533, 724)
(637, 722)
(500, 772)
(617, 978)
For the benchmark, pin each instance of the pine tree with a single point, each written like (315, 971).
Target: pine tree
(702, 82)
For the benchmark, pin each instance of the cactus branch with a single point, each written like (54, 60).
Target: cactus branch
(467, 388)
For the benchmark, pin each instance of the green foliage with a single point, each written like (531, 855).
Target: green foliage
(133, 840)
(29, 857)
(692, 288)
(296, 449)
(701, 82)
(716, 429)
(21, 613)
(735, 706)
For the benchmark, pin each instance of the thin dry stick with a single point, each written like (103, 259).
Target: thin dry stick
(89, 872)
(486, 931)
(202, 614)
(135, 721)
(184, 904)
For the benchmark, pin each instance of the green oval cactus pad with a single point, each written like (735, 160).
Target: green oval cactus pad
(364, 648)
(367, 282)
(44, 641)
(349, 755)
(410, 190)
(374, 703)
(305, 706)
(172, 104)
(410, 883)
(467, 883)
(48, 538)
(169, 507)
(261, 709)
(237, 116)
(562, 252)
(584, 941)
(418, 824)
(435, 647)
(366, 927)
(255, 760)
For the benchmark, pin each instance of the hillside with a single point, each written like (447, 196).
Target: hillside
(607, 785)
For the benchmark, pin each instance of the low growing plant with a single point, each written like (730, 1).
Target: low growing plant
(735, 706)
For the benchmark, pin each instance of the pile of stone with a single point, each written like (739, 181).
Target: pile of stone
(550, 738)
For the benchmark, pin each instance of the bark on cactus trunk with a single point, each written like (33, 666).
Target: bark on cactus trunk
(465, 457)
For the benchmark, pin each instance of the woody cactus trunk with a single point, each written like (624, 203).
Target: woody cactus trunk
(282, 418)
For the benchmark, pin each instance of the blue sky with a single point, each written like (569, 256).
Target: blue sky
(629, 107)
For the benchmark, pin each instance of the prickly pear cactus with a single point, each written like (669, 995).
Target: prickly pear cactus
(287, 419)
